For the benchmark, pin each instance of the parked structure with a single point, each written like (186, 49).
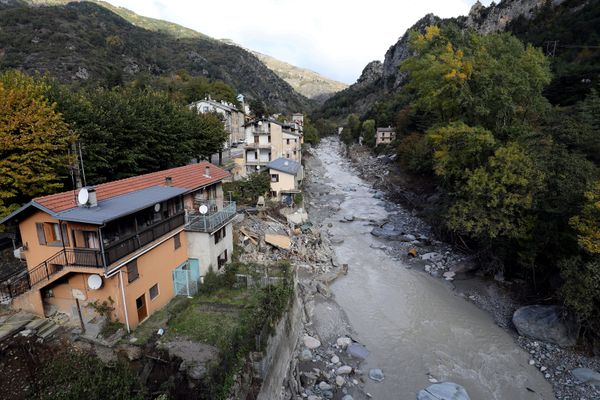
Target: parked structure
(267, 140)
(286, 179)
(233, 118)
(134, 243)
(385, 136)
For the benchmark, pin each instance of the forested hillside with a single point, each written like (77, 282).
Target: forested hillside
(517, 176)
(87, 43)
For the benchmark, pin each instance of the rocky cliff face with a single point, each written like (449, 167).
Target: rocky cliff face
(399, 52)
(370, 74)
(496, 17)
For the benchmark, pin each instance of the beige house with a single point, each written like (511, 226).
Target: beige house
(385, 136)
(286, 179)
(267, 140)
(233, 118)
(135, 243)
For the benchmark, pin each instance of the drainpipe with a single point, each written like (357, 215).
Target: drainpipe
(101, 240)
(124, 302)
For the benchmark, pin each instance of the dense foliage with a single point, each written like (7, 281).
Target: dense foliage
(126, 131)
(35, 141)
(123, 131)
(518, 177)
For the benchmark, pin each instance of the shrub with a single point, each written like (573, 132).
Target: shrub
(415, 154)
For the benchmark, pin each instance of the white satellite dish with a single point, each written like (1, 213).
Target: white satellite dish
(83, 196)
(94, 282)
(203, 209)
(157, 207)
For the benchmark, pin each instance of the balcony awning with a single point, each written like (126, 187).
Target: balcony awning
(120, 206)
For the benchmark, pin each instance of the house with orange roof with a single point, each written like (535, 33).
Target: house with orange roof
(134, 243)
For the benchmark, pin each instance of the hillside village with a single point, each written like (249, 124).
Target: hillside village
(185, 218)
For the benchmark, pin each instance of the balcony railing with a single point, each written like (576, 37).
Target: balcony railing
(213, 220)
(258, 145)
(91, 258)
(122, 248)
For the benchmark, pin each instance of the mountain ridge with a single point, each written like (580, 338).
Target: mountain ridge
(86, 42)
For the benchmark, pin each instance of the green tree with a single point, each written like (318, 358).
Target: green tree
(368, 132)
(35, 141)
(498, 198)
(458, 149)
(587, 223)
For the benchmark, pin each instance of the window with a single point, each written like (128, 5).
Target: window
(90, 239)
(274, 177)
(177, 241)
(273, 194)
(220, 234)
(222, 260)
(287, 141)
(269, 138)
(49, 233)
(256, 139)
(132, 271)
(154, 292)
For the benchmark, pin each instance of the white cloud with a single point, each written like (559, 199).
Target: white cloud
(336, 38)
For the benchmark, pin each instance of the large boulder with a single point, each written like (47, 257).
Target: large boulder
(443, 391)
(547, 323)
(586, 375)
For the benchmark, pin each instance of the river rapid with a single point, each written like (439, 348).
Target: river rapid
(416, 327)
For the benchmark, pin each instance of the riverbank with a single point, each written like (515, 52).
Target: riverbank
(498, 297)
(416, 331)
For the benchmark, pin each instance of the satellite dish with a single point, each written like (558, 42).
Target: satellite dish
(259, 123)
(83, 196)
(157, 207)
(203, 209)
(94, 282)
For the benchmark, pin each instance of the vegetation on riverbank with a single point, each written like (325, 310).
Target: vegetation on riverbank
(518, 176)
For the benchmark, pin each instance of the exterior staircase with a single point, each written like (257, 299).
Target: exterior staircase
(25, 324)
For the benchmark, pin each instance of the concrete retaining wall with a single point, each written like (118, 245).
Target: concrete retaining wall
(274, 366)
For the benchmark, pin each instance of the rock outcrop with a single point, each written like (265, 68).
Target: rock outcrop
(392, 77)
(496, 17)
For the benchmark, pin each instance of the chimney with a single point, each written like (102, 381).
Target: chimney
(92, 200)
(168, 181)
(207, 171)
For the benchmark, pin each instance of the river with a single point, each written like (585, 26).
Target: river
(415, 326)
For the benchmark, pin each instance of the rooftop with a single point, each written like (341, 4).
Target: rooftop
(120, 206)
(285, 165)
(388, 129)
(189, 177)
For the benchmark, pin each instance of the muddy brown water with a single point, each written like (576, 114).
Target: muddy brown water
(414, 326)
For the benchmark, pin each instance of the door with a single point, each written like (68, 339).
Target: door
(140, 304)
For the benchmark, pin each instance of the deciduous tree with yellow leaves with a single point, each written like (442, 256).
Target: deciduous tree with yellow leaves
(34, 141)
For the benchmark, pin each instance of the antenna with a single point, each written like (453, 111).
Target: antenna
(82, 168)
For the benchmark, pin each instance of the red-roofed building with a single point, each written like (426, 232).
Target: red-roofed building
(138, 241)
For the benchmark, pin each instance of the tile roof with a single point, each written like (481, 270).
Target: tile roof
(188, 177)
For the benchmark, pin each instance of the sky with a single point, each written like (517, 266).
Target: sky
(335, 38)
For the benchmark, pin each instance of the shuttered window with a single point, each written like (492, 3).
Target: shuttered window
(132, 271)
(177, 241)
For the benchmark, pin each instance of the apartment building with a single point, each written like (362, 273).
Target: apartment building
(135, 243)
(267, 140)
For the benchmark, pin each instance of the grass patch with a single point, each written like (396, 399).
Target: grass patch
(214, 328)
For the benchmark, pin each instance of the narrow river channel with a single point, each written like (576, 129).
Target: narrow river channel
(414, 326)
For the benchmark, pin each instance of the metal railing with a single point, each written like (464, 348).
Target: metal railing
(122, 248)
(213, 220)
(65, 258)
